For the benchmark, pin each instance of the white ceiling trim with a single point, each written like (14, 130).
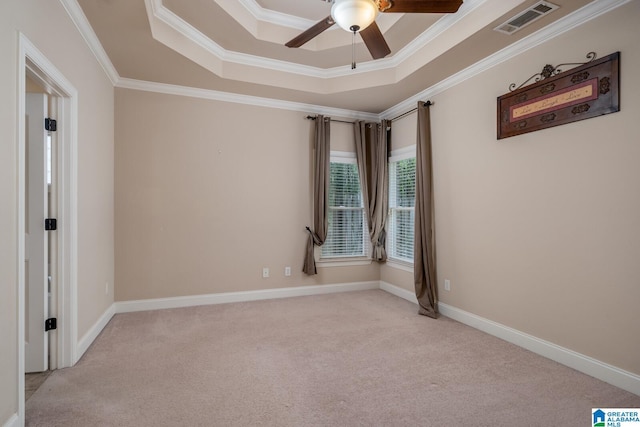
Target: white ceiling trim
(159, 17)
(179, 35)
(438, 28)
(259, 13)
(573, 20)
(562, 25)
(421, 45)
(86, 31)
(255, 101)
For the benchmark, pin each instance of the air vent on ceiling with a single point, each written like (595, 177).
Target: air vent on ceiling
(526, 17)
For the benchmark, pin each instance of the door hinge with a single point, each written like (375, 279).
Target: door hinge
(50, 124)
(50, 224)
(51, 323)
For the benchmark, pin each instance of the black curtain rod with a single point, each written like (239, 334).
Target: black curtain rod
(426, 104)
(333, 120)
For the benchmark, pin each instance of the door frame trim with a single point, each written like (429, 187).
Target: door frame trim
(32, 61)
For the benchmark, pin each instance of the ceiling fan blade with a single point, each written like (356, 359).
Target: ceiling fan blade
(311, 32)
(373, 38)
(420, 6)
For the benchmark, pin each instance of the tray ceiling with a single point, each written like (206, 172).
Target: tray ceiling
(237, 46)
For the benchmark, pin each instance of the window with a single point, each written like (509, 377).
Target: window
(402, 196)
(348, 234)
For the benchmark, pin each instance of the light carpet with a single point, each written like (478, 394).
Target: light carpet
(350, 359)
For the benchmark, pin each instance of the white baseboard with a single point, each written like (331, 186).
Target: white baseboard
(221, 298)
(13, 421)
(585, 364)
(588, 365)
(88, 338)
(399, 292)
(228, 297)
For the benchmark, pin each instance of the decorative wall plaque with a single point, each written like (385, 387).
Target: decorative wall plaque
(557, 98)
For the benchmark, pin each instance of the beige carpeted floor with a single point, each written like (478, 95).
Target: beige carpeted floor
(33, 381)
(351, 359)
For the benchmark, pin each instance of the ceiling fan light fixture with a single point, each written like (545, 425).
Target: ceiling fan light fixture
(354, 15)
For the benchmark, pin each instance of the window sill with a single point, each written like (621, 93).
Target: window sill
(342, 262)
(400, 265)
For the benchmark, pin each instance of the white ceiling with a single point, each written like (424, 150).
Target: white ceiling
(237, 46)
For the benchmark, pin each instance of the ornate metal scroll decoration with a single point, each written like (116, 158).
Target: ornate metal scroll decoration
(550, 70)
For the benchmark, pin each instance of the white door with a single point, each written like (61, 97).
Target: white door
(36, 243)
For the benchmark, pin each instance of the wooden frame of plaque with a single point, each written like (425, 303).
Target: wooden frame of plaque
(583, 92)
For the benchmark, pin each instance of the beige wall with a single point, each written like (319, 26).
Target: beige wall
(208, 193)
(8, 235)
(540, 232)
(49, 28)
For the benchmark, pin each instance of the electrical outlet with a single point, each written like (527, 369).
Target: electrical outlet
(447, 285)
(287, 271)
(265, 272)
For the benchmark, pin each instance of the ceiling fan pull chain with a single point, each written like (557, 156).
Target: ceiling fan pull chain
(353, 51)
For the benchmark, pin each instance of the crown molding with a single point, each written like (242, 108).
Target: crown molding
(82, 24)
(177, 34)
(259, 13)
(561, 26)
(434, 31)
(567, 23)
(255, 101)
(156, 10)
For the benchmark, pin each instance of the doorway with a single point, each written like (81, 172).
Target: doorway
(35, 69)
(39, 240)
(40, 243)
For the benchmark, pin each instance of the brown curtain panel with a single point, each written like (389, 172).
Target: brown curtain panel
(321, 156)
(424, 247)
(372, 155)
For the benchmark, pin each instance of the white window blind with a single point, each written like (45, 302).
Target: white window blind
(348, 235)
(402, 196)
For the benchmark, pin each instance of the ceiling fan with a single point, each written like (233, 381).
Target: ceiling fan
(358, 16)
